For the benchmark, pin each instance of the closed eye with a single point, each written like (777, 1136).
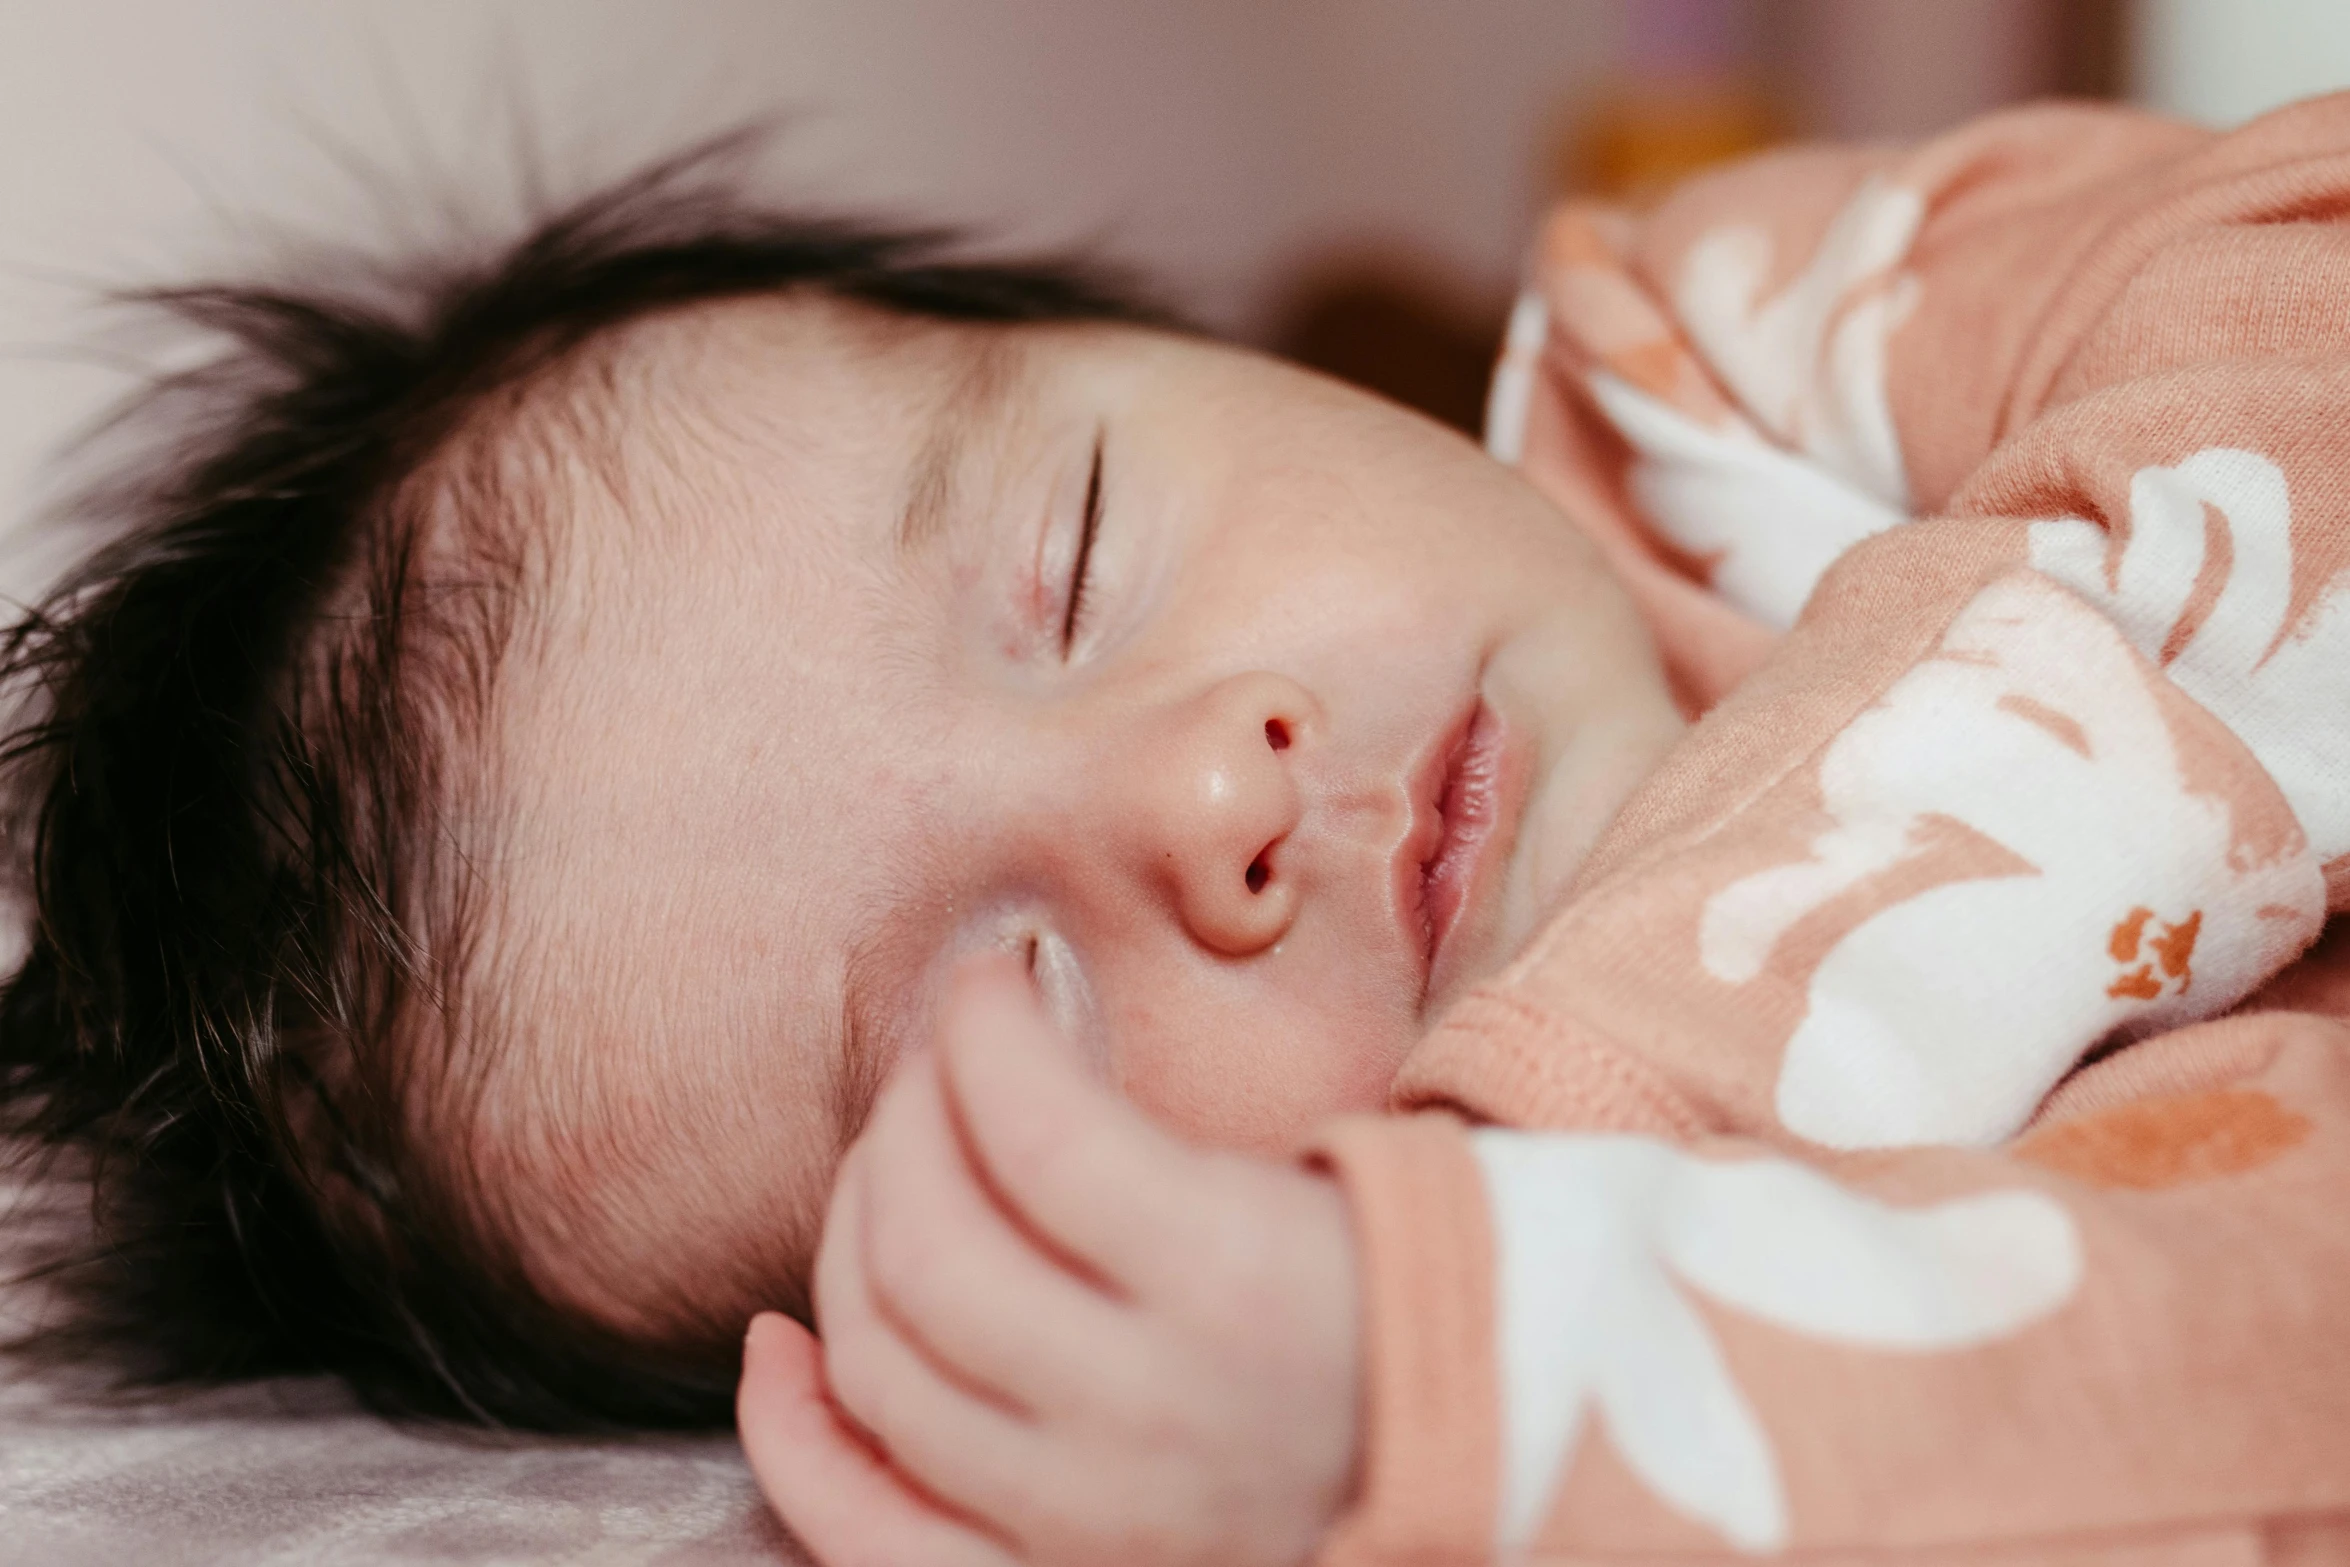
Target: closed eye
(1080, 570)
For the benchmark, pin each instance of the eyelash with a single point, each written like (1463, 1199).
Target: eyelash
(1080, 570)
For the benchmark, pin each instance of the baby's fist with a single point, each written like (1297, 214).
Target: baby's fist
(1094, 1343)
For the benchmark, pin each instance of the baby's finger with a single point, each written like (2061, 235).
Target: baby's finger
(974, 1292)
(972, 1454)
(1074, 1160)
(835, 1495)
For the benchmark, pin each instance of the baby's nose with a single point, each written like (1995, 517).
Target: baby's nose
(1224, 801)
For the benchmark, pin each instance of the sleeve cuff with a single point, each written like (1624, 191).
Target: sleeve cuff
(1431, 1418)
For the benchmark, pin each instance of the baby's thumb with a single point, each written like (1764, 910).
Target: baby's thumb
(994, 1018)
(1061, 1151)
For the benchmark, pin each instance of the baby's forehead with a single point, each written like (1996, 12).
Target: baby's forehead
(818, 358)
(812, 411)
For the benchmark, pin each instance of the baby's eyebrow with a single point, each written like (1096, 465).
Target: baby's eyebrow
(982, 389)
(930, 497)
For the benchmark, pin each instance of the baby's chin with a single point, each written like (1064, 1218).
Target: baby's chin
(1576, 795)
(1584, 687)
(1602, 771)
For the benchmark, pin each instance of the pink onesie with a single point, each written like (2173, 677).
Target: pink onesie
(1924, 1132)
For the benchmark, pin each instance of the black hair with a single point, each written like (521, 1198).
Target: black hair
(235, 718)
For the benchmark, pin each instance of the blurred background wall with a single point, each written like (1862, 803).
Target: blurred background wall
(1348, 180)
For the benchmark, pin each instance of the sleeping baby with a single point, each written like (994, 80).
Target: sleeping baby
(1743, 979)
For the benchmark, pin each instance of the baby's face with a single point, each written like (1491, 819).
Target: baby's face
(1261, 717)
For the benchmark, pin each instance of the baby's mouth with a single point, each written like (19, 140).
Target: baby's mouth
(1465, 807)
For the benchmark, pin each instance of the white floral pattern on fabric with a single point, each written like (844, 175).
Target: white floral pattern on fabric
(1509, 402)
(2268, 681)
(1601, 1236)
(1809, 365)
(1809, 463)
(1771, 522)
(2111, 895)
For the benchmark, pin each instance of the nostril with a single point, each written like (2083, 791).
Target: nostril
(1260, 871)
(1276, 734)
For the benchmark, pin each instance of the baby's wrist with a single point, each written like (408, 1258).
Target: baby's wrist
(1337, 1325)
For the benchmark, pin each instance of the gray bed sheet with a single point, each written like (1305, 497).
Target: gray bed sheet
(293, 1473)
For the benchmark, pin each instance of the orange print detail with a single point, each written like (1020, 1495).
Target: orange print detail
(2170, 1141)
(2175, 946)
(2170, 949)
(1574, 239)
(1659, 367)
(2124, 942)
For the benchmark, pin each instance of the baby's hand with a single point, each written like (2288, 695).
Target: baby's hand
(1069, 1337)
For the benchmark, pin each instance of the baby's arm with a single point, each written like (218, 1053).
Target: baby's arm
(1055, 1334)
(2040, 439)
(2116, 1341)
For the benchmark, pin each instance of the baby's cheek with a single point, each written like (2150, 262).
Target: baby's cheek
(1259, 1079)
